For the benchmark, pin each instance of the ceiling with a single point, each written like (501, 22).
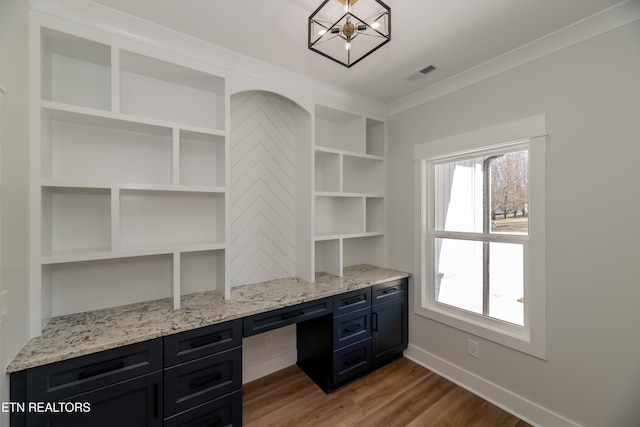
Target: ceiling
(452, 35)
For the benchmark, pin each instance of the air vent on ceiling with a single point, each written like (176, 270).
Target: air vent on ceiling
(420, 73)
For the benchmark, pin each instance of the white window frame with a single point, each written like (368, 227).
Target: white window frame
(531, 131)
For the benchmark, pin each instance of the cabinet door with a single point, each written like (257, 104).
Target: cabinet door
(136, 402)
(389, 335)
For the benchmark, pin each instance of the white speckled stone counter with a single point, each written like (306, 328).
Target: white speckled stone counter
(78, 334)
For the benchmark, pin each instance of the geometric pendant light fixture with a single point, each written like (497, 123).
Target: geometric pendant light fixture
(347, 31)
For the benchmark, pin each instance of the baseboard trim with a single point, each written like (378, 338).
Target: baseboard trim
(520, 407)
(268, 366)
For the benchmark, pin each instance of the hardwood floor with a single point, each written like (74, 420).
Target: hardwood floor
(402, 393)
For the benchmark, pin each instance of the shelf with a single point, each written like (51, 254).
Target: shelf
(349, 191)
(363, 175)
(339, 215)
(374, 215)
(334, 253)
(319, 149)
(131, 191)
(167, 217)
(328, 256)
(334, 236)
(202, 271)
(94, 254)
(340, 130)
(87, 149)
(202, 159)
(363, 250)
(327, 171)
(76, 287)
(172, 188)
(75, 71)
(52, 183)
(75, 220)
(153, 88)
(375, 138)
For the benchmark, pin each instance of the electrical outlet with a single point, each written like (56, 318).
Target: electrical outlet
(4, 306)
(473, 348)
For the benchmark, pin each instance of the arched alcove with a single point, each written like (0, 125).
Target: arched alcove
(270, 155)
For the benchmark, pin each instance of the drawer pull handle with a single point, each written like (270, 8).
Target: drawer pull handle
(291, 315)
(352, 301)
(353, 361)
(206, 340)
(206, 379)
(217, 421)
(389, 290)
(102, 369)
(352, 328)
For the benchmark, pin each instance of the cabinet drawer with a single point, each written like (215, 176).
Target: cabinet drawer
(286, 316)
(60, 380)
(351, 301)
(135, 402)
(225, 411)
(197, 382)
(190, 345)
(351, 328)
(390, 290)
(351, 361)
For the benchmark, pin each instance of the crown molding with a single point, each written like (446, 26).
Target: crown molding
(607, 20)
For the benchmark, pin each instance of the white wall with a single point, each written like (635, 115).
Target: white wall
(590, 93)
(14, 182)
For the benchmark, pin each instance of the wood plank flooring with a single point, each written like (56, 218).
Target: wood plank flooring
(402, 393)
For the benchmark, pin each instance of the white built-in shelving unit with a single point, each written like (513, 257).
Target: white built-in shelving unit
(131, 176)
(349, 190)
(132, 158)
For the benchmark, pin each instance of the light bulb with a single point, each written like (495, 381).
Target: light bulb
(322, 32)
(347, 45)
(375, 25)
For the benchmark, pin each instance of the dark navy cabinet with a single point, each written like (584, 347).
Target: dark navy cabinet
(187, 379)
(194, 378)
(367, 329)
(203, 376)
(122, 386)
(389, 318)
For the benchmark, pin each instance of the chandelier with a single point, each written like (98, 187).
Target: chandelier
(346, 33)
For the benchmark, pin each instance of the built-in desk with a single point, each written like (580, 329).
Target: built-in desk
(179, 366)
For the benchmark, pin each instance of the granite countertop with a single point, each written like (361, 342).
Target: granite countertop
(74, 335)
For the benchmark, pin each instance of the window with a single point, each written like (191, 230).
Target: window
(481, 233)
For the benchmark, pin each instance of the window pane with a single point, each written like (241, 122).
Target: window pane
(510, 193)
(463, 189)
(506, 283)
(458, 274)
(459, 195)
(465, 270)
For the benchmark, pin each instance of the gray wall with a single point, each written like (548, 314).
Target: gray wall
(14, 183)
(590, 93)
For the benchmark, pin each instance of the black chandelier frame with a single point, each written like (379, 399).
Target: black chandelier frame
(362, 24)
